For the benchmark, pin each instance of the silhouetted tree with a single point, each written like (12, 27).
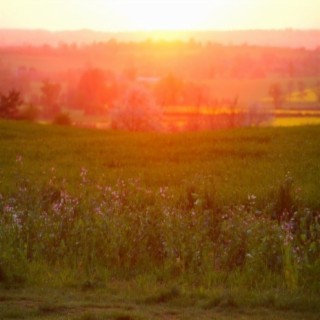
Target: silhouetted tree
(136, 111)
(290, 87)
(276, 94)
(169, 90)
(291, 69)
(233, 107)
(9, 105)
(195, 94)
(257, 115)
(302, 90)
(316, 90)
(50, 97)
(91, 91)
(62, 119)
(29, 113)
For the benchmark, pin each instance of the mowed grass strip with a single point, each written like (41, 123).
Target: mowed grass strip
(53, 303)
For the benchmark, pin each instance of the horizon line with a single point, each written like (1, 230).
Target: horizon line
(158, 30)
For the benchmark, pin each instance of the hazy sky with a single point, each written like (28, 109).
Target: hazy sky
(126, 15)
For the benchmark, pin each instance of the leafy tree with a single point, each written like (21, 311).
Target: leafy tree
(302, 90)
(51, 97)
(29, 113)
(136, 111)
(232, 108)
(316, 91)
(195, 94)
(169, 90)
(92, 93)
(291, 69)
(257, 115)
(290, 87)
(277, 95)
(9, 105)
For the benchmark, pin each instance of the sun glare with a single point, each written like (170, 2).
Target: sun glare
(166, 15)
(159, 15)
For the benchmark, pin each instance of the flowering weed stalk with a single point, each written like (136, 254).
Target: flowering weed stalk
(126, 230)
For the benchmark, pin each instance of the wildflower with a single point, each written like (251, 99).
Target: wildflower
(83, 175)
(17, 220)
(19, 159)
(6, 209)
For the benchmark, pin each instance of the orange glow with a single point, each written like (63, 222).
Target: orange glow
(147, 15)
(165, 15)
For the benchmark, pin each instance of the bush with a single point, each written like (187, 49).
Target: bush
(29, 113)
(136, 111)
(62, 119)
(9, 105)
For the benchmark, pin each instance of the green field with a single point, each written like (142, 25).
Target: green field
(233, 163)
(221, 224)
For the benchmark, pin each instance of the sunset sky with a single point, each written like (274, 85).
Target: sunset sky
(131, 15)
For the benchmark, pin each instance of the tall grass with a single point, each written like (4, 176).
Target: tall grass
(81, 226)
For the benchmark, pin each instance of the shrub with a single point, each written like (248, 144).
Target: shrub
(9, 105)
(29, 113)
(62, 119)
(136, 111)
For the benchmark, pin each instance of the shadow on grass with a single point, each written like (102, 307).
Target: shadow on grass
(164, 296)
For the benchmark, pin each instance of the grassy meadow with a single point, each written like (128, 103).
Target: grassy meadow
(159, 226)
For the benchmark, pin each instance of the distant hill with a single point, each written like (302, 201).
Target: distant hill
(279, 38)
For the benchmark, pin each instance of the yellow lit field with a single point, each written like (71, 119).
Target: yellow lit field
(295, 121)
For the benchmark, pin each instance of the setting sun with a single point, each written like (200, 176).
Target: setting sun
(166, 15)
(134, 15)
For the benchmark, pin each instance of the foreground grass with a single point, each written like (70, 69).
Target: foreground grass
(147, 225)
(129, 301)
